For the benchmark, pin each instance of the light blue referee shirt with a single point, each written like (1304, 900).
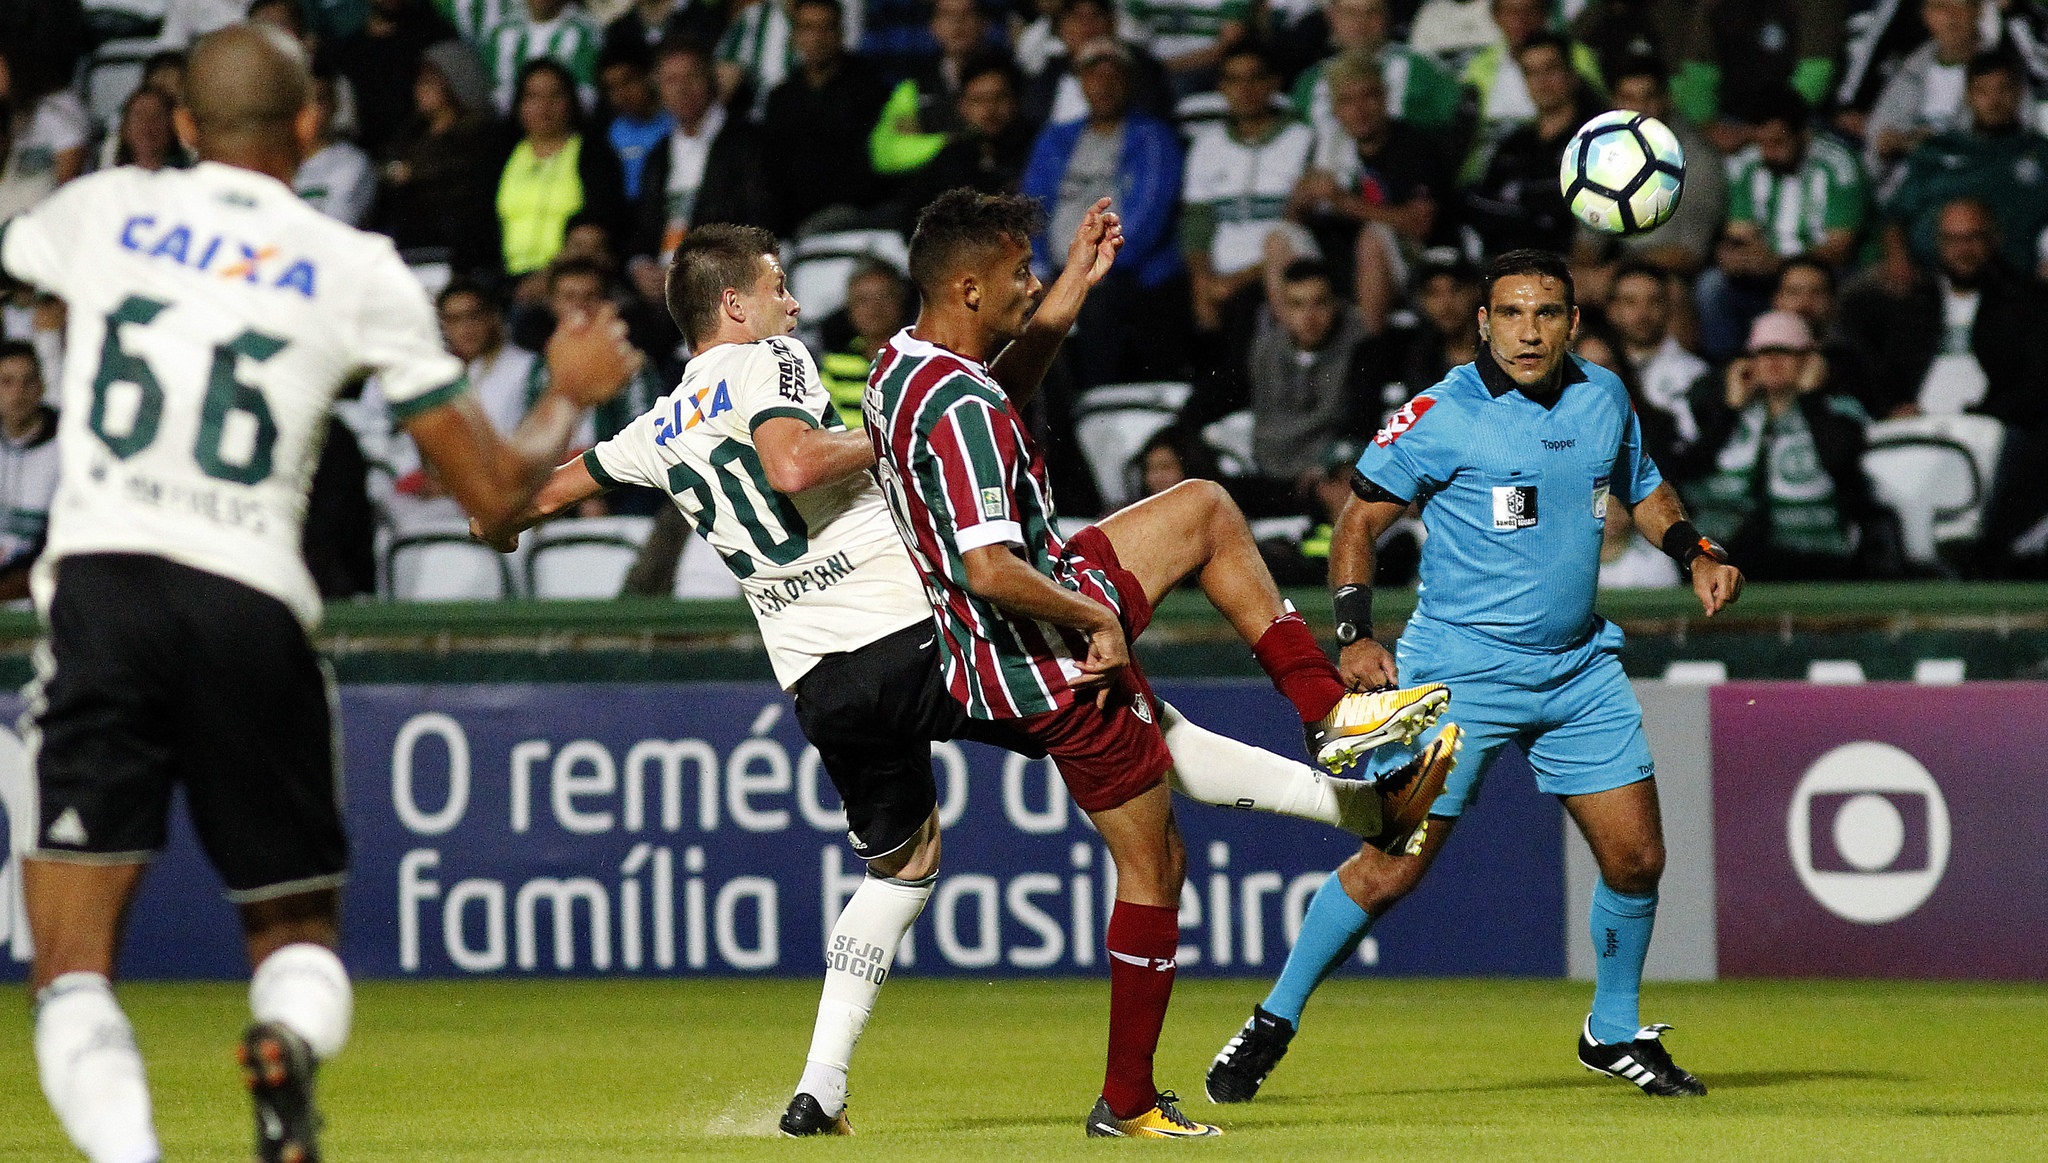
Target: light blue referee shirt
(1515, 494)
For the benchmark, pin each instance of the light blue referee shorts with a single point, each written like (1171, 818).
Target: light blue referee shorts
(1572, 711)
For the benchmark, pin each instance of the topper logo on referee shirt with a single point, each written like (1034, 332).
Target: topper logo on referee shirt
(1403, 420)
(667, 428)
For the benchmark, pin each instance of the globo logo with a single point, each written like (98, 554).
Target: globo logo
(1868, 832)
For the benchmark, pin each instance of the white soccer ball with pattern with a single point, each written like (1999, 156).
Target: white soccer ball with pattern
(1622, 173)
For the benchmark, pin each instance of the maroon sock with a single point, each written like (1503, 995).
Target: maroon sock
(1142, 942)
(1298, 667)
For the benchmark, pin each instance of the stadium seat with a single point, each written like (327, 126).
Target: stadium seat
(700, 574)
(1231, 439)
(1939, 671)
(1114, 421)
(112, 72)
(1835, 672)
(1696, 672)
(1935, 473)
(1288, 529)
(432, 266)
(438, 562)
(819, 266)
(584, 558)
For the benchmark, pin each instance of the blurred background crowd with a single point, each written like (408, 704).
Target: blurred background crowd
(1838, 347)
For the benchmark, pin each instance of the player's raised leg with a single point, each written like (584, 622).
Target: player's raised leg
(1195, 530)
(1624, 828)
(86, 1055)
(1216, 769)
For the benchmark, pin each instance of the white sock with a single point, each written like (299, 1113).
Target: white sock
(1216, 769)
(305, 987)
(857, 959)
(92, 1072)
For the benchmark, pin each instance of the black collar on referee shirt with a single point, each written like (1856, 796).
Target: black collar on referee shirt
(1499, 383)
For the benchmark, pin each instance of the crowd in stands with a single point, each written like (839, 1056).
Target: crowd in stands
(1838, 346)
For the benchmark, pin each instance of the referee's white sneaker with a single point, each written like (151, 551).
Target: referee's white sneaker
(1363, 720)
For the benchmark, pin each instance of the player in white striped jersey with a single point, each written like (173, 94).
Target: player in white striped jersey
(558, 30)
(753, 452)
(213, 318)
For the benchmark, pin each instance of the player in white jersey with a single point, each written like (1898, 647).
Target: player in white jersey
(754, 453)
(213, 318)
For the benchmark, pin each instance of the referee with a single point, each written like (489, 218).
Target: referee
(1515, 457)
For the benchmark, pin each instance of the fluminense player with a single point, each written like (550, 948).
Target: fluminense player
(1517, 456)
(213, 318)
(754, 453)
(1036, 631)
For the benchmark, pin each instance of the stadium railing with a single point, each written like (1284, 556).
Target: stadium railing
(1994, 631)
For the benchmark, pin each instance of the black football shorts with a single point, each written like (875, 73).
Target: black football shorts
(157, 675)
(873, 714)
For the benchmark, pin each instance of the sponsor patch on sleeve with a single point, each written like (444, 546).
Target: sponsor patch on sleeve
(991, 502)
(789, 374)
(1403, 420)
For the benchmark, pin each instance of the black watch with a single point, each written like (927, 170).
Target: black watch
(1347, 633)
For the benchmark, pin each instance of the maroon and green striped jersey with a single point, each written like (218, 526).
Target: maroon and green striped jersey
(960, 471)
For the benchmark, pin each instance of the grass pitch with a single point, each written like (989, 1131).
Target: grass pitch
(1462, 1069)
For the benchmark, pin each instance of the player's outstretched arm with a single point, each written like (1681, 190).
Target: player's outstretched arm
(997, 574)
(1716, 582)
(1363, 662)
(494, 477)
(796, 456)
(1021, 366)
(567, 487)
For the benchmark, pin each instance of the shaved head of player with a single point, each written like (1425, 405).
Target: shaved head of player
(971, 261)
(249, 100)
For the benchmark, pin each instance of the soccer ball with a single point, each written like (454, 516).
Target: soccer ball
(1622, 173)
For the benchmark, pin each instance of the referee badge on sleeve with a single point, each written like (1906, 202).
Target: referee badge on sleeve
(1600, 498)
(1514, 507)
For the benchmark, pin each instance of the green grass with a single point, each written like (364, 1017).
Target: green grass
(1459, 1069)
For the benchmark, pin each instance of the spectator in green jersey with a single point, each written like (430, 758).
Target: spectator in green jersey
(556, 30)
(1790, 192)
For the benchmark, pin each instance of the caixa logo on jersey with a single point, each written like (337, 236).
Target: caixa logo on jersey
(1403, 420)
(229, 259)
(707, 404)
(1868, 832)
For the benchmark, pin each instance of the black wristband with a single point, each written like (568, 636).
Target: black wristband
(1685, 544)
(1353, 607)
